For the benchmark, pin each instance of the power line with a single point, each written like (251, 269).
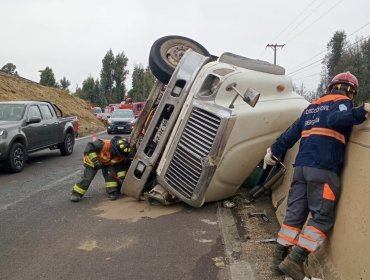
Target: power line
(299, 70)
(314, 10)
(326, 12)
(357, 30)
(301, 13)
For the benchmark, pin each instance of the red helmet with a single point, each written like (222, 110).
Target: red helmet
(345, 78)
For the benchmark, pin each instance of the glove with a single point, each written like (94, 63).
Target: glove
(97, 163)
(268, 160)
(367, 107)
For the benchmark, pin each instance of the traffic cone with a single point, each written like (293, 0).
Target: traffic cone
(94, 136)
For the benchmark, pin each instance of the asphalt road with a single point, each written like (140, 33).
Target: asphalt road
(45, 236)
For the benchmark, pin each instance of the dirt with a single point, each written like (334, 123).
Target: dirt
(18, 88)
(254, 229)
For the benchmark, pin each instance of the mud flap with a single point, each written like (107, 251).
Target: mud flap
(158, 195)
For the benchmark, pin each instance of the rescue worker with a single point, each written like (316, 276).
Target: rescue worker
(324, 129)
(112, 157)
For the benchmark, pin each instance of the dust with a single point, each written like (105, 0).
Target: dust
(132, 210)
(88, 245)
(219, 262)
(108, 245)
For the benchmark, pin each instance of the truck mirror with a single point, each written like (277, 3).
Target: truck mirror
(251, 96)
(34, 120)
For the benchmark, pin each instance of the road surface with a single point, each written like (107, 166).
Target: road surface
(45, 236)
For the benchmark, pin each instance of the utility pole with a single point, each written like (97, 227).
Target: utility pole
(274, 47)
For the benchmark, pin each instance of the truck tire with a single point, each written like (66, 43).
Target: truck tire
(66, 147)
(16, 158)
(166, 53)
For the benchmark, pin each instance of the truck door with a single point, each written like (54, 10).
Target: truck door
(51, 124)
(35, 132)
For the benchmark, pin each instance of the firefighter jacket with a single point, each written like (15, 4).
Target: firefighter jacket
(324, 129)
(102, 150)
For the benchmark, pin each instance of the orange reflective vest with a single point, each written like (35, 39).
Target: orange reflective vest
(105, 155)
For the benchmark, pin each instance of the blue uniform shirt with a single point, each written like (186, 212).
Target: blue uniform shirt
(324, 128)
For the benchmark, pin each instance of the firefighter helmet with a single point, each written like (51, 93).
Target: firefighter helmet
(345, 78)
(121, 146)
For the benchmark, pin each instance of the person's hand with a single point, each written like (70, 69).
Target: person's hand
(268, 160)
(367, 107)
(97, 163)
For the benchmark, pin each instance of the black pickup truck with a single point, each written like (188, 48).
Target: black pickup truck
(30, 126)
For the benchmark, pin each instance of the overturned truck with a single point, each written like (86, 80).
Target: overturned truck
(207, 122)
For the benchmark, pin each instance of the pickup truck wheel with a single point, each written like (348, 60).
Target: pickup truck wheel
(17, 158)
(166, 53)
(66, 148)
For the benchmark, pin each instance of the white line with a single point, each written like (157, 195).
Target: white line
(46, 187)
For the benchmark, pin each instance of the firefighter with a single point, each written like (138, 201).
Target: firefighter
(324, 129)
(112, 157)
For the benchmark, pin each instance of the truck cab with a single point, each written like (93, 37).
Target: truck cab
(204, 131)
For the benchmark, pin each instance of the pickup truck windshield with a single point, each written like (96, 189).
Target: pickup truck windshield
(123, 114)
(11, 112)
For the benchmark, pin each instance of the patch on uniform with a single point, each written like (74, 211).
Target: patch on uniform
(342, 107)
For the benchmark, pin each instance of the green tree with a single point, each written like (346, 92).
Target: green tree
(64, 83)
(9, 68)
(88, 89)
(119, 77)
(142, 83)
(47, 77)
(98, 96)
(106, 76)
(113, 76)
(336, 50)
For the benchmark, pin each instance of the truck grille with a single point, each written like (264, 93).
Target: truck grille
(194, 146)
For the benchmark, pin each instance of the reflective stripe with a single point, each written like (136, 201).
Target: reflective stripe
(328, 193)
(324, 132)
(330, 97)
(311, 238)
(88, 161)
(288, 235)
(121, 174)
(77, 189)
(92, 156)
(286, 241)
(111, 184)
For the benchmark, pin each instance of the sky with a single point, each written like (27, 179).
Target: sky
(72, 36)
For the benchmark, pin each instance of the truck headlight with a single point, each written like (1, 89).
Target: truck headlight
(2, 132)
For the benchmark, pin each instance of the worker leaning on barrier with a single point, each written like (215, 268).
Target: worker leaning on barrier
(112, 157)
(324, 129)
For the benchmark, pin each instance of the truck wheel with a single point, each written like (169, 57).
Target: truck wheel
(166, 53)
(17, 158)
(66, 147)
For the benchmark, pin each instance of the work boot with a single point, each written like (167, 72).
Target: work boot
(75, 197)
(293, 265)
(279, 255)
(113, 195)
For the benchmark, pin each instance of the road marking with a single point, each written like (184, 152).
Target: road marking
(42, 188)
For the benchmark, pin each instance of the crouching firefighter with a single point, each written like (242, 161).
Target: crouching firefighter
(324, 129)
(112, 157)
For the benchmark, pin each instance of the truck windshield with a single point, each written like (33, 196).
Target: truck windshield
(11, 112)
(123, 114)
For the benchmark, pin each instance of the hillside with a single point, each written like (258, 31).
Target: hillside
(17, 88)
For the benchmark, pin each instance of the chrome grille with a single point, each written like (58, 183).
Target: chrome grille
(195, 143)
